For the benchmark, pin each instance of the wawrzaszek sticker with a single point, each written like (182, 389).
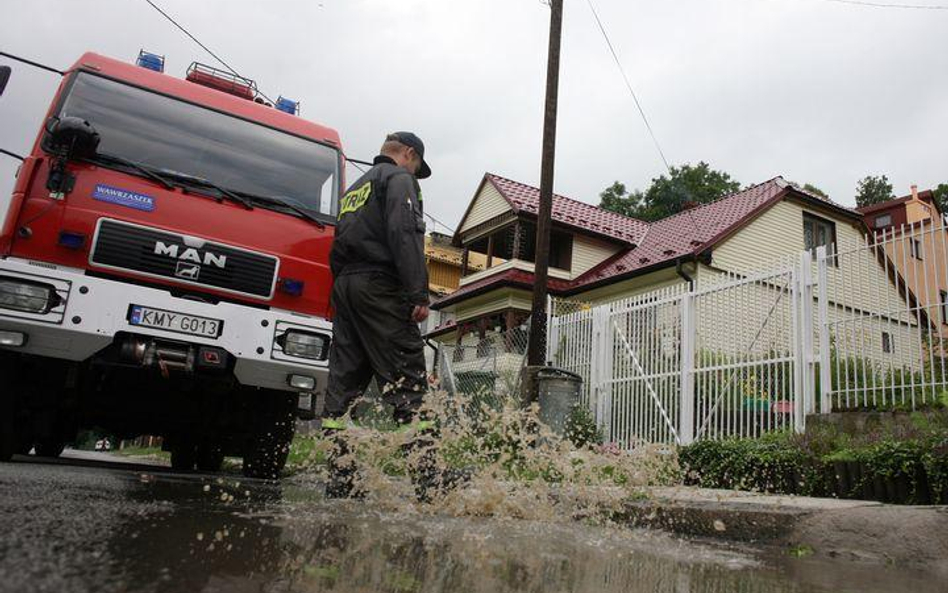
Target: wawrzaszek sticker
(123, 197)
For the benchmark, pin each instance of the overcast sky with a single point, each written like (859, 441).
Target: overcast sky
(814, 90)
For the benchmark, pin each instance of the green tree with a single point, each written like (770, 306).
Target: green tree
(668, 194)
(873, 190)
(941, 196)
(810, 189)
(616, 198)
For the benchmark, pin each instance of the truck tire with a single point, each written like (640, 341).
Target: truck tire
(8, 444)
(50, 447)
(270, 441)
(9, 441)
(209, 458)
(183, 457)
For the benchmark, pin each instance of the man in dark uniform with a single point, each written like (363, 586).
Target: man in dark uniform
(380, 294)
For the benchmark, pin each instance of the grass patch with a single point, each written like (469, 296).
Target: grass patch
(151, 452)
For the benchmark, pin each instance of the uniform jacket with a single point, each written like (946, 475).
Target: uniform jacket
(381, 228)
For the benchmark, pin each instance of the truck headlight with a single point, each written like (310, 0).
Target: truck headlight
(304, 344)
(29, 297)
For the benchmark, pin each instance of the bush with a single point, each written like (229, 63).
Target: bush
(903, 465)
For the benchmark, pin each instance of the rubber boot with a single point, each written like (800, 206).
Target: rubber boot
(428, 479)
(343, 481)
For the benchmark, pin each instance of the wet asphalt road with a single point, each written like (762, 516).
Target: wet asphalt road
(97, 523)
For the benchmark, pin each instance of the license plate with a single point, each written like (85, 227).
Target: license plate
(175, 322)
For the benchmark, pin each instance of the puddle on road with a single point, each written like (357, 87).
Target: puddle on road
(529, 521)
(271, 542)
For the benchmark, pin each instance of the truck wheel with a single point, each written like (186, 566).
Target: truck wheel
(8, 427)
(183, 457)
(50, 447)
(270, 442)
(8, 444)
(210, 458)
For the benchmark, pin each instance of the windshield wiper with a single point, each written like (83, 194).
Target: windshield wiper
(111, 159)
(286, 202)
(200, 181)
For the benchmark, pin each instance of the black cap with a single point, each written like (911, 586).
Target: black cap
(409, 139)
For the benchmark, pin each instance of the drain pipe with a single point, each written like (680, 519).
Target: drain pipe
(680, 270)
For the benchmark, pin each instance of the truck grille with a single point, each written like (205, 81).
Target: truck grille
(162, 254)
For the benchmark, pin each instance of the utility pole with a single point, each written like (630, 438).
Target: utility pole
(536, 350)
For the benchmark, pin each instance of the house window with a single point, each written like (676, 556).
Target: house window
(944, 306)
(887, 342)
(883, 221)
(818, 232)
(916, 247)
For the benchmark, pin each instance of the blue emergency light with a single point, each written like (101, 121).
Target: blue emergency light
(291, 287)
(288, 106)
(150, 61)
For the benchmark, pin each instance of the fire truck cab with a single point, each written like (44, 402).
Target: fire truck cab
(164, 267)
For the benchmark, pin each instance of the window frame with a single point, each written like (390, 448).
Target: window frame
(888, 344)
(915, 248)
(815, 220)
(944, 306)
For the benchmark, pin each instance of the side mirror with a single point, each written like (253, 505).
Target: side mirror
(4, 77)
(72, 137)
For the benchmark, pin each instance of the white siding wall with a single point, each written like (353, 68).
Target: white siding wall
(499, 300)
(589, 253)
(777, 235)
(487, 205)
(855, 334)
(632, 287)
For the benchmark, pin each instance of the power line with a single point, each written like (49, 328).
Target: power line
(628, 84)
(204, 47)
(436, 221)
(887, 5)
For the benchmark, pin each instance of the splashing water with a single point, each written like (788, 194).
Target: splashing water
(518, 467)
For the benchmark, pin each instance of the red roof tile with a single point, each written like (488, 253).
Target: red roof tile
(926, 196)
(687, 232)
(572, 213)
(513, 277)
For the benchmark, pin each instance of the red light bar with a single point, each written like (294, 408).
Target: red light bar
(226, 82)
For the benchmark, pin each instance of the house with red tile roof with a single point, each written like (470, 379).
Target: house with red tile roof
(597, 256)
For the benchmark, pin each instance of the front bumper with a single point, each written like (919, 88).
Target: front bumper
(93, 310)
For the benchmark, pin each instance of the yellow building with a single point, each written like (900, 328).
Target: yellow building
(911, 230)
(444, 262)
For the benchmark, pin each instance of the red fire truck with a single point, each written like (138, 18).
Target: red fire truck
(164, 266)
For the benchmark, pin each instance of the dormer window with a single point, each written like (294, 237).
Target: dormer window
(882, 221)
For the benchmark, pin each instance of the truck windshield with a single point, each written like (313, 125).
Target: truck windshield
(164, 133)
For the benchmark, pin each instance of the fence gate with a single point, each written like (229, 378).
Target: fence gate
(672, 365)
(748, 365)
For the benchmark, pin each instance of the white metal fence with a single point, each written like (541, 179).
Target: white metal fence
(742, 355)
(885, 319)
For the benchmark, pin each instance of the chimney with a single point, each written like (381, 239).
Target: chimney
(689, 205)
(914, 192)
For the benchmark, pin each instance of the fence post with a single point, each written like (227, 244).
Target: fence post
(686, 423)
(809, 352)
(553, 333)
(797, 345)
(826, 361)
(600, 368)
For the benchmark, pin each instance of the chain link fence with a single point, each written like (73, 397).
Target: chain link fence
(484, 366)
